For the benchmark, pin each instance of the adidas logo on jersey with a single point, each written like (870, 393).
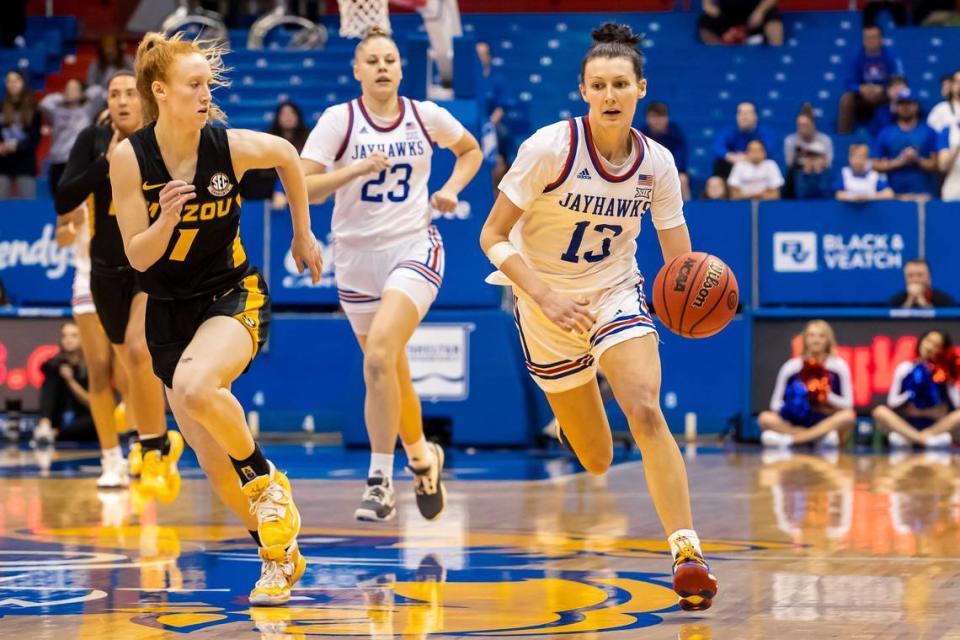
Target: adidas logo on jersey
(363, 129)
(584, 175)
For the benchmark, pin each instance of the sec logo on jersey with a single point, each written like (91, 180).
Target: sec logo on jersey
(219, 184)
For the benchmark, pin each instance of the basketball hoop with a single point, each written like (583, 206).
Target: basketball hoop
(357, 16)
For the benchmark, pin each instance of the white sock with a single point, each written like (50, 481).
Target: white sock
(381, 464)
(419, 454)
(113, 453)
(675, 538)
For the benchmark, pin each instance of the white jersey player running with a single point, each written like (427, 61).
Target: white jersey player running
(563, 232)
(375, 154)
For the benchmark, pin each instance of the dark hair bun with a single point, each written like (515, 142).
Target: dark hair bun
(615, 33)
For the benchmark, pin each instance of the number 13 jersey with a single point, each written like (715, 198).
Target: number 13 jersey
(204, 255)
(378, 211)
(582, 215)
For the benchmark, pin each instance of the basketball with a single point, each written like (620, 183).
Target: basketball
(695, 295)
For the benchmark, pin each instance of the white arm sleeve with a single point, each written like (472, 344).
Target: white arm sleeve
(843, 400)
(328, 135)
(667, 206)
(789, 368)
(897, 397)
(539, 162)
(441, 126)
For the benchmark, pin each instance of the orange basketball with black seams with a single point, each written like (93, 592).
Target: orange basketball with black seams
(696, 295)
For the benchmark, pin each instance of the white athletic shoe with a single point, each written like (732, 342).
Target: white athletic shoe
(114, 474)
(939, 441)
(775, 439)
(898, 441)
(43, 434)
(831, 440)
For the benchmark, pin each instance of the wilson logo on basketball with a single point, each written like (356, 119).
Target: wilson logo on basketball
(711, 280)
(219, 184)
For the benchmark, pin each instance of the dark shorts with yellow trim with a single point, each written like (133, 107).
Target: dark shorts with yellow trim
(113, 292)
(171, 324)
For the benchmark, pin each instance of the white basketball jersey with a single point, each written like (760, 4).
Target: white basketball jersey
(580, 233)
(380, 210)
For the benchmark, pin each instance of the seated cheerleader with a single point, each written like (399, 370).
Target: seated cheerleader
(923, 406)
(813, 399)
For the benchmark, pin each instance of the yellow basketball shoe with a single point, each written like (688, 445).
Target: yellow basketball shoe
(159, 474)
(280, 571)
(135, 460)
(271, 501)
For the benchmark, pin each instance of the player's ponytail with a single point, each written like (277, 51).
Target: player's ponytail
(156, 56)
(612, 40)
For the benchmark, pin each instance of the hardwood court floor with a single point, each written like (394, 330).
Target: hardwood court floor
(805, 546)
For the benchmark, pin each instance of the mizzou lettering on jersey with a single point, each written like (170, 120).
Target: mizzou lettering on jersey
(205, 254)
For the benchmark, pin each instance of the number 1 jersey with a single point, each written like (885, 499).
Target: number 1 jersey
(204, 255)
(379, 210)
(582, 215)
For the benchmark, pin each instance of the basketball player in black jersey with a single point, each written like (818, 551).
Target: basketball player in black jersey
(175, 185)
(119, 302)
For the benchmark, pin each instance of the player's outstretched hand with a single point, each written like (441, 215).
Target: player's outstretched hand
(173, 196)
(306, 254)
(570, 314)
(374, 163)
(443, 201)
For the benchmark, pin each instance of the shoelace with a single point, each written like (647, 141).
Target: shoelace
(274, 574)
(375, 493)
(269, 505)
(686, 552)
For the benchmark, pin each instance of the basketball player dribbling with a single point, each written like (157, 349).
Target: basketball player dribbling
(563, 233)
(374, 153)
(175, 185)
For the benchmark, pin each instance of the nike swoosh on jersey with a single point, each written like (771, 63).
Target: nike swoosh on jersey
(148, 187)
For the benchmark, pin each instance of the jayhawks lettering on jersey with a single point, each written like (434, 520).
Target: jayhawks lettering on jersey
(380, 210)
(205, 255)
(581, 214)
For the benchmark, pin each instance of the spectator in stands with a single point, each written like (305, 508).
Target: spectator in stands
(756, 177)
(496, 101)
(288, 123)
(919, 292)
(857, 182)
(68, 114)
(715, 188)
(813, 398)
(923, 406)
(886, 114)
(812, 179)
(898, 10)
(19, 137)
(796, 143)
(110, 59)
(64, 401)
(947, 113)
(870, 72)
(660, 129)
(948, 150)
(806, 136)
(730, 144)
(738, 21)
(906, 151)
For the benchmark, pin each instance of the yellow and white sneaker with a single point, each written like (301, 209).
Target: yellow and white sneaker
(271, 501)
(135, 460)
(280, 571)
(159, 474)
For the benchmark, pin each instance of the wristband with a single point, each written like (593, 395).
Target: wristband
(499, 252)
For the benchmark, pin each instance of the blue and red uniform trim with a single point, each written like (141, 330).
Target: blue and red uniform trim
(598, 165)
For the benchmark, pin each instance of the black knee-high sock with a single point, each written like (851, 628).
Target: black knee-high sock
(159, 443)
(251, 467)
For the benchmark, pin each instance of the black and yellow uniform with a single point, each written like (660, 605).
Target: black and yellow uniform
(113, 282)
(204, 271)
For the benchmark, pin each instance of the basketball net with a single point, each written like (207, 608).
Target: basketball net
(356, 16)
